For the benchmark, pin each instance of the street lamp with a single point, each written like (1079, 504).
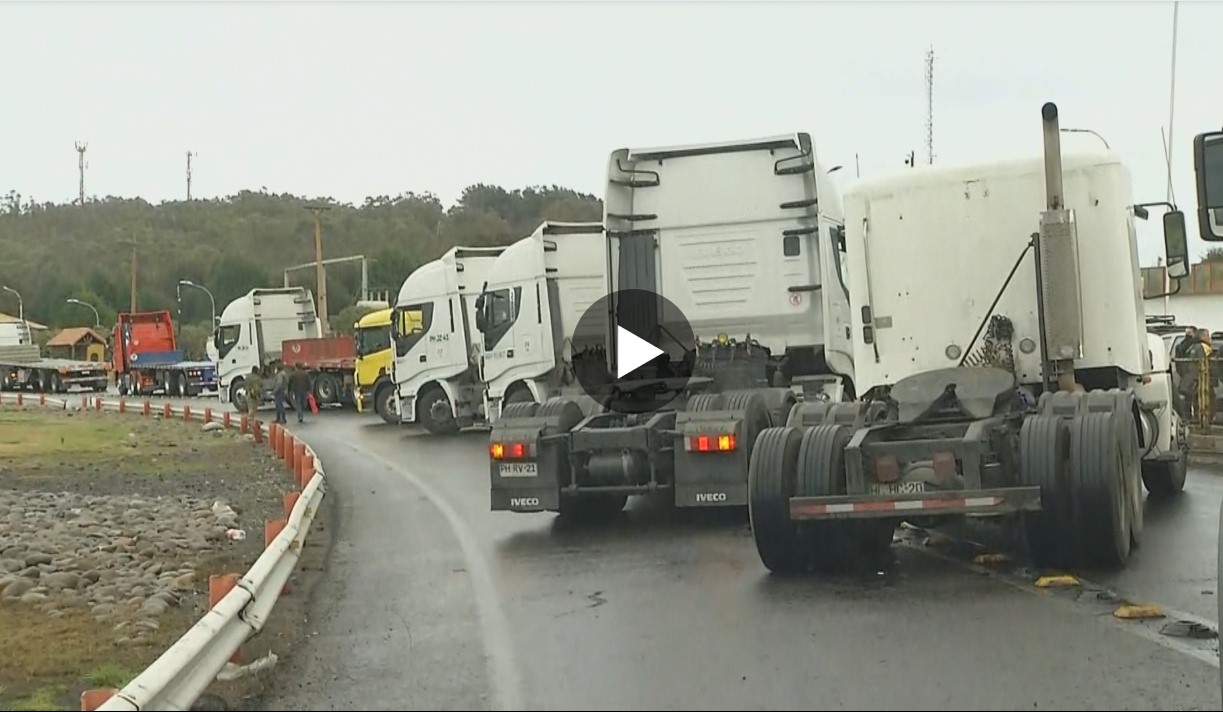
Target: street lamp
(97, 320)
(211, 300)
(1089, 131)
(20, 311)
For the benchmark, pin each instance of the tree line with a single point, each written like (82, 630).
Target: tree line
(54, 252)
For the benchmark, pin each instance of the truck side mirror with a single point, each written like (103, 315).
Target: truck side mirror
(481, 317)
(1208, 170)
(1176, 244)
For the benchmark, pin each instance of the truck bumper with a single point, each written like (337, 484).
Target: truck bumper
(364, 398)
(710, 479)
(1003, 500)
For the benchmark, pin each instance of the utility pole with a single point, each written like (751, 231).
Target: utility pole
(320, 275)
(189, 156)
(930, 106)
(80, 168)
(133, 306)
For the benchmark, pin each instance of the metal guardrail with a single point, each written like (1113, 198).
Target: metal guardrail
(177, 679)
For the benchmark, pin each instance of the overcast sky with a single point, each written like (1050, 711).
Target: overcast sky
(353, 99)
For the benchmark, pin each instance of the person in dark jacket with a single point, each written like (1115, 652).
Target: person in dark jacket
(299, 386)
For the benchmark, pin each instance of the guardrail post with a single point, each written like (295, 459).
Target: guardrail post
(286, 450)
(273, 433)
(93, 699)
(166, 412)
(305, 469)
(244, 424)
(219, 585)
(147, 408)
(84, 402)
(258, 431)
(20, 398)
(186, 412)
(227, 420)
(42, 399)
(97, 404)
(207, 415)
(122, 405)
(290, 501)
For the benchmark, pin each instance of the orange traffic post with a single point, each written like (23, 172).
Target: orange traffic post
(122, 405)
(93, 699)
(258, 431)
(166, 412)
(219, 585)
(208, 415)
(290, 501)
(305, 469)
(186, 412)
(147, 409)
(286, 450)
(226, 420)
(273, 433)
(244, 424)
(299, 450)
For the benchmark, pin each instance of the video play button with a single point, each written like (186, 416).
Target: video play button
(632, 352)
(650, 348)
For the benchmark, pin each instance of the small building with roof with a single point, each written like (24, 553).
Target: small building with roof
(79, 343)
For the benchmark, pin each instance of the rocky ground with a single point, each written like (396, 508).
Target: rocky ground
(110, 527)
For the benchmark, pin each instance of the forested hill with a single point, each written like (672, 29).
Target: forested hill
(51, 253)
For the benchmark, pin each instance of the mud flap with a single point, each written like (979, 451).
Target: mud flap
(713, 478)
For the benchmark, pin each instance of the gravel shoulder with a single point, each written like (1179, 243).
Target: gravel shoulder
(110, 527)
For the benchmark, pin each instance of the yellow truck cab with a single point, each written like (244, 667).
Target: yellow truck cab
(375, 387)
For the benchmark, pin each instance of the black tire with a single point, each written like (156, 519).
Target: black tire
(327, 389)
(1097, 472)
(705, 402)
(568, 412)
(519, 410)
(384, 405)
(771, 475)
(237, 395)
(756, 417)
(1044, 452)
(1167, 479)
(836, 544)
(807, 413)
(431, 412)
(519, 395)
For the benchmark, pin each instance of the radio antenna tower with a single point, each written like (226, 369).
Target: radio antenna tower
(190, 155)
(80, 168)
(930, 106)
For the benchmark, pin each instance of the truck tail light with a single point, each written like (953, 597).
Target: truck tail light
(944, 465)
(510, 451)
(713, 442)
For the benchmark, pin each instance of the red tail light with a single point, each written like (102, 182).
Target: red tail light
(509, 451)
(713, 442)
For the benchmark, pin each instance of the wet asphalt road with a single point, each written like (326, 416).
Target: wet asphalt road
(434, 602)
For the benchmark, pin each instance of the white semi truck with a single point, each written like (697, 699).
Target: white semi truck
(436, 366)
(1005, 364)
(552, 275)
(743, 237)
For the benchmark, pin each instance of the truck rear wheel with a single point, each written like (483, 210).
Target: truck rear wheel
(237, 395)
(384, 403)
(771, 476)
(326, 389)
(756, 417)
(835, 545)
(1044, 449)
(1097, 469)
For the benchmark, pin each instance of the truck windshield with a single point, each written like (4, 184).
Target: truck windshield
(372, 339)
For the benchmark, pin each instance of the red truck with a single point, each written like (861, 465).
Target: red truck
(146, 358)
(332, 361)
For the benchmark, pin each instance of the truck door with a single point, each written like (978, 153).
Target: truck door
(409, 325)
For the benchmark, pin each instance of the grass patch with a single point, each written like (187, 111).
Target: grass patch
(44, 699)
(47, 662)
(41, 435)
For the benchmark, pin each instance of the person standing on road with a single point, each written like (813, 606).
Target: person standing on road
(299, 384)
(280, 391)
(254, 393)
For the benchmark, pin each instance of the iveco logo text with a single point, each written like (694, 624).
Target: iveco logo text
(711, 496)
(524, 501)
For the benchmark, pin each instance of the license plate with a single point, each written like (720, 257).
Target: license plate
(898, 488)
(518, 469)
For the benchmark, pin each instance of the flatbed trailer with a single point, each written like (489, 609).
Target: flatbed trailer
(23, 368)
(147, 359)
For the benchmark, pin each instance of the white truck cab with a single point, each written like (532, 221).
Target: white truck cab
(530, 311)
(251, 330)
(436, 345)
